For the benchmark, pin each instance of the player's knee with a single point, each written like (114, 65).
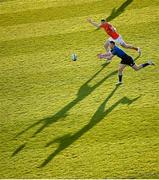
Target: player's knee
(120, 70)
(124, 45)
(136, 68)
(127, 46)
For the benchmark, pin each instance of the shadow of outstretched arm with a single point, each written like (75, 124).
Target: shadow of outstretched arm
(66, 140)
(83, 92)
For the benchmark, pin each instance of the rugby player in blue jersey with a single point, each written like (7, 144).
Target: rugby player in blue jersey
(125, 60)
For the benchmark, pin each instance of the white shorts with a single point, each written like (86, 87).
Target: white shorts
(119, 40)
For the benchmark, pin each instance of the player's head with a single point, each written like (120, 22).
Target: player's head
(111, 44)
(103, 21)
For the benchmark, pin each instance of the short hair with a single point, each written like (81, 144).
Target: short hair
(103, 20)
(112, 42)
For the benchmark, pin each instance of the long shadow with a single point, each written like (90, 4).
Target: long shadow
(20, 148)
(83, 92)
(68, 139)
(136, 58)
(116, 12)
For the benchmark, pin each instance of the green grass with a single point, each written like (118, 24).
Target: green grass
(64, 119)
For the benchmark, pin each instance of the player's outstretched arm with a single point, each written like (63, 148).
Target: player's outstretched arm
(93, 23)
(109, 56)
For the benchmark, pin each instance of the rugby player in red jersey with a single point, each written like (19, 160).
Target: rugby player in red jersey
(114, 35)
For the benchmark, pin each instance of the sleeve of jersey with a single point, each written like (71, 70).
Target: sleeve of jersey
(101, 26)
(113, 52)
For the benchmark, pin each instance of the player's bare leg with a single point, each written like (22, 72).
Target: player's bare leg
(138, 67)
(129, 46)
(120, 73)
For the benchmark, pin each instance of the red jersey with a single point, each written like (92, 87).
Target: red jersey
(109, 29)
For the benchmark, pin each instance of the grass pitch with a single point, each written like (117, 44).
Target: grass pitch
(65, 119)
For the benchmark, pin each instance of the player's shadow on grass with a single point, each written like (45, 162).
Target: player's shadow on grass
(68, 139)
(83, 92)
(116, 12)
(137, 57)
(20, 148)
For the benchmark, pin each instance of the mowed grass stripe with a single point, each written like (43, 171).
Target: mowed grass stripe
(12, 6)
(44, 28)
(45, 43)
(70, 25)
(63, 12)
(69, 40)
(53, 13)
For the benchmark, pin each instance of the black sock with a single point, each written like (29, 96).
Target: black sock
(120, 78)
(144, 65)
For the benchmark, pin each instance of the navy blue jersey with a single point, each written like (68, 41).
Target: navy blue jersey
(126, 59)
(117, 51)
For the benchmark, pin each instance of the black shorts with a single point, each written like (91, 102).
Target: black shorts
(128, 60)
